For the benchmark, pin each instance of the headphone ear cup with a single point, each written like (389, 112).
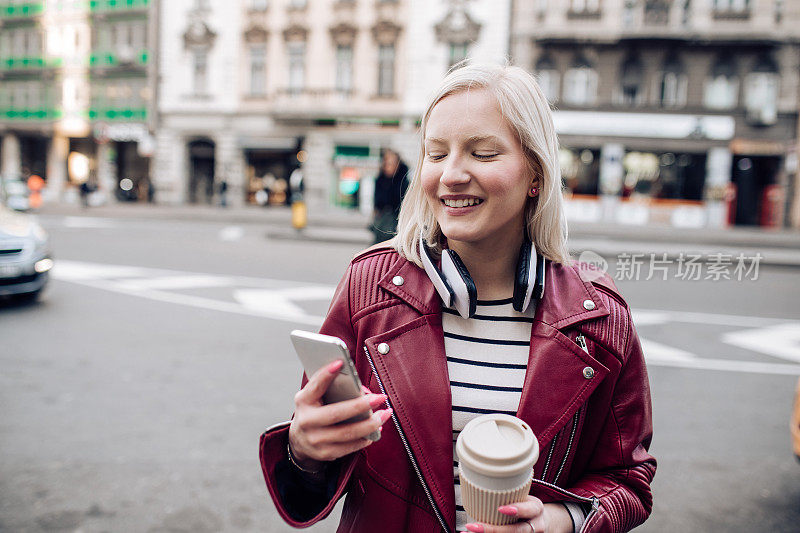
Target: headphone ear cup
(521, 276)
(466, 294)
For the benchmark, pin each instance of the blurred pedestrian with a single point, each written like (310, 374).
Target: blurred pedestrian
(223, 193)
(390, 187)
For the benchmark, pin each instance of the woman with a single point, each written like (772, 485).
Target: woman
(390, 187)
(460, 315)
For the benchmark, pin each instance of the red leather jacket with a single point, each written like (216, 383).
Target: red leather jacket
(590, 411)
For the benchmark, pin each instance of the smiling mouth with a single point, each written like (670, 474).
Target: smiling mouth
(468, 202)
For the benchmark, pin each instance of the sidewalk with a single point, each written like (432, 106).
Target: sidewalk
(777, 247)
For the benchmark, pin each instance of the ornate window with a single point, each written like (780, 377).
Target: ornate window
(631, 87)
(297, 66)
(761, 92)
(258, 69)
(656, 12)
(736, 9)
(200, 71)
(344, 69)
(672, 90)
(457, 30)
(386, 57)
(722, 87)
(584, 8)
(548, 77)
(580, 83)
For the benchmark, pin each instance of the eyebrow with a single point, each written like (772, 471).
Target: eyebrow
(474, 139)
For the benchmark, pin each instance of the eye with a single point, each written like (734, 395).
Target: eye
(436, 156)
(485, 155)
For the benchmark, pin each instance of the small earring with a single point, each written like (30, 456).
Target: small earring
(533, 191)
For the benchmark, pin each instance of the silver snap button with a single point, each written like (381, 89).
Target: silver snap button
(588, 372)
(588, 305)
(398, 280)
(383, 348)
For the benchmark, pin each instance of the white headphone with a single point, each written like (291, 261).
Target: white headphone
(457, 289)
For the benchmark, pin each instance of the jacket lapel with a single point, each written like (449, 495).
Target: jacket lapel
(555, 384)
(414, 375)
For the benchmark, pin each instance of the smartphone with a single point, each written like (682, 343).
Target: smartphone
(316, 351)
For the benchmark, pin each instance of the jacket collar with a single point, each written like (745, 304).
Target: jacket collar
(569, 298)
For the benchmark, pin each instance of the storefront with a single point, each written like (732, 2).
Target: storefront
(269, 163)
(353, 182)
(629, 168)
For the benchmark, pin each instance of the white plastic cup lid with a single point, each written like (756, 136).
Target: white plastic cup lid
(497, 445)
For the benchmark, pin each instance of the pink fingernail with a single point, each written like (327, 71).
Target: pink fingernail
(476, 528)
(376, 400)
(508, 509)
(385, 414)
(335, 366)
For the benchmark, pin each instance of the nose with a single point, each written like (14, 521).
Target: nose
(454, 173)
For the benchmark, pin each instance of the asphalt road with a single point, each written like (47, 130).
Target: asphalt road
(133, 395)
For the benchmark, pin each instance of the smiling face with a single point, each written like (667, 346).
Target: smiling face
(474, 173)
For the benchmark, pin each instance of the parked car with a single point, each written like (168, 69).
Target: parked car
(794, 426)
(24, 255)
(14, 193)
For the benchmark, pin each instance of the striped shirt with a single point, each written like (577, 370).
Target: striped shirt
(487, 356)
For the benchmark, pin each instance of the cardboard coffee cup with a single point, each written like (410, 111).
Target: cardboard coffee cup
(496, 454)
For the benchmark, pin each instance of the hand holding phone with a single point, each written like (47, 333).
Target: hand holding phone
(333, 415)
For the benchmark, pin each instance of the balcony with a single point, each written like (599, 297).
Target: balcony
(30, 114)
(117, 114)
(28, 63)
(119, 59)
(115, 6)
(21, 10)
(313, 103)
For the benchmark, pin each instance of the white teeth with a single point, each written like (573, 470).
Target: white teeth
(462, 203)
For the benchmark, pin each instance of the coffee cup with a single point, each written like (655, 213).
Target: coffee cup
(496, 454)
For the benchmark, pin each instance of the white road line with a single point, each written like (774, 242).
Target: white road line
(726, 365)
(656, 352)
(231, 233)
(780, 340)
(204, 303)
(275, 300)
(88, 222)
(77, 271)
(194, 281)
(716, 319)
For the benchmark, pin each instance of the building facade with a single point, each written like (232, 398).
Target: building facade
(675, 112)
(252, 96)
(76, 95)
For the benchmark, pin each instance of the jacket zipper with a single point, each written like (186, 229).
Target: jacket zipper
(594, 501)
(569, 444)
(580, 340)
(411, 457)
(549, 456)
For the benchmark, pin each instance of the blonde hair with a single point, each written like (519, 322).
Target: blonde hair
(525, 107)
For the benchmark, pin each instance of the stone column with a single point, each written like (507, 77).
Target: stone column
(107, 178)
(169, 171)
(57, 166)
(611, 178)
(718, 175)
(318, 170)
(11, 164)
(229, 165)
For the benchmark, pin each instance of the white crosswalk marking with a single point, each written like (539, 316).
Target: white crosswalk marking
(781, 341)
(655, 352)
(280, 299)
(231, 233)
(197, 281)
